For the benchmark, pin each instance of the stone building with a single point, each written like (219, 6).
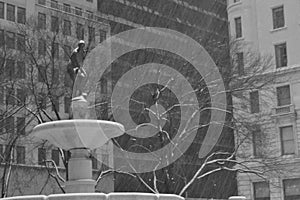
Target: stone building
(271, 28)
(58, 25)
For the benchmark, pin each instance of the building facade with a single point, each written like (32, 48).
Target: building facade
(54, 28)
(270, 27)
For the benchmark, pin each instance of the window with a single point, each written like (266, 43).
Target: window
(291, 189)
(10, 68)
(21, 125)
(21, 15)
(10, 40)
(103, 86)
(55, 50)
(54, 24)
(78, 11)
(67, 27)
(240, 63)
(9, 125)
(67, 101)
(2, 40)
(287, 140)
(278, 17)
(55, 103)
(10, 12)
(257, 141)
(94, 161)
(54, 4)
(41, 20)
(41, 156)
(102, 35)
(238, 27)
(283, 95)
(281, 55)
(21, 96)
(90, 14)
(55, 156)
(20, 42)
(1, 150)
(261, 191)
(10, 96)
(21, 70)
(67, 52)
(42, 47)
(2, 10)
(91, 34)
(55, 76)
(20, 155)
(42, 2)
(67, 8)
(104, 161)
(91, 1)
(42, 103)
(254, 102)
(80, 31)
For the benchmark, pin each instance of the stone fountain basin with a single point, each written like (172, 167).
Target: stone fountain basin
(78, 133)
(101, 196)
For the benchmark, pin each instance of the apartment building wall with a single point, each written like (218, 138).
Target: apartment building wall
(262, 31)
(29, 151)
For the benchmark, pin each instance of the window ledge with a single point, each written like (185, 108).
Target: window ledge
(278, 29)
(239, 39)
(234, 4)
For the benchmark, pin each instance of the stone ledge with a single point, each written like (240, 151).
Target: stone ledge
(100, 196)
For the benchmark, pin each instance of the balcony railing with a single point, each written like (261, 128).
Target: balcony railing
(70, 10)
(286, 109)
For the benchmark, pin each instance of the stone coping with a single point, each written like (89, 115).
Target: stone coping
(100, 196)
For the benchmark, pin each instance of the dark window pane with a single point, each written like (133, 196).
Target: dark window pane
(21, 15)
(55, 156)
(42, 47)
(54, 4)
(254, 102)
(261, 191)
(67, 27)
(41, 21)
(20, 154)
(283, 95)
(10, 12)
(238, 27)
(21, 125)
(2, 10)
(67, 52)
(67, 104)
(240, 63)
(21, 70)
(42, 2)
(102, 35)
(9, 125)
(21, 96)
(10, 96)
(21, 42)
(54, 24)
(42, 101)
(291, 189)
(10, 40)
(55, 50)
(55, 103)
(42, 74)
(67, 8)
(2, 40)
(41, 156)
(281, 55)
(91, 34)
(78, 11)
(10, 69)
(80, 31)
(278, 17)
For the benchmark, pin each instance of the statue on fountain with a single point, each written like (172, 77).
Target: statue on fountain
(75, 68)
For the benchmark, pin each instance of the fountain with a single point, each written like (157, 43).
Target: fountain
(81, 135)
